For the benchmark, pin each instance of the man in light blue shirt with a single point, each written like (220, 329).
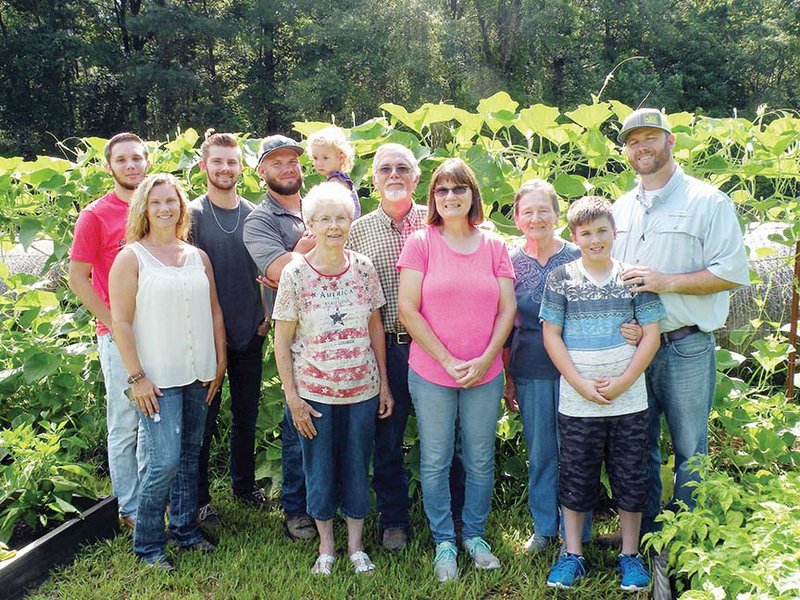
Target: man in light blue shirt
(681, 239)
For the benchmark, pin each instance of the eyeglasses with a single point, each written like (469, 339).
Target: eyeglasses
(328, 221)
(386, 170)
(458, 190)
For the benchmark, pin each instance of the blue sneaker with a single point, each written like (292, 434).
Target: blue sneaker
(567, 570)
(635, 576)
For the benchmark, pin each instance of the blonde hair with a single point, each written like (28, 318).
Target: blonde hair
(334, 137)
(138, 225)
(326, 192)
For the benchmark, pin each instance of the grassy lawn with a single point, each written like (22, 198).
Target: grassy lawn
(255, 559)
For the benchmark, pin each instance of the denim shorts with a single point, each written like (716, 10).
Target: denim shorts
(620, 442)
(336, 461)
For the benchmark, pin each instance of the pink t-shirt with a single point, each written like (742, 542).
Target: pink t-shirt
(459, 298)
(99, 236)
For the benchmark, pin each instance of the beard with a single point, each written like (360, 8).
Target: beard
(285, 189)
(659, 158)
(215, 181)
(123, 183)
(396, 195)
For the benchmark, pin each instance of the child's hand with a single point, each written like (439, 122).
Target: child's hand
(306, 242)
(588, 389)
(611, 387)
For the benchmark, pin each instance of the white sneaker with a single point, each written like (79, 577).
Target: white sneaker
(445, 566)
(481, 553)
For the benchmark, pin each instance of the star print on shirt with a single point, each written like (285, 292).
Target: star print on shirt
(337, 317)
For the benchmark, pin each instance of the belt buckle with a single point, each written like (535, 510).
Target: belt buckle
(402, 338)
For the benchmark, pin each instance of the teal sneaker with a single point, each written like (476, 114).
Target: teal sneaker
(445, 566)
(635, 576)
(481, 553)
(567, 570)
(537, 543)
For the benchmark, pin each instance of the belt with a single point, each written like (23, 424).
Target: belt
(678, 334)
(400, 338)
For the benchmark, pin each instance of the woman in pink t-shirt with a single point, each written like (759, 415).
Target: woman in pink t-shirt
(456, 299)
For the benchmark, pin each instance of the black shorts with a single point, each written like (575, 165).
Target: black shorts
(586, 443)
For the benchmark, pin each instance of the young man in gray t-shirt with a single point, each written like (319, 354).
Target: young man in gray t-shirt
(217, 228)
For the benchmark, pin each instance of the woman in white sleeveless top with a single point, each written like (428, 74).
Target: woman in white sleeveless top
(168, 325)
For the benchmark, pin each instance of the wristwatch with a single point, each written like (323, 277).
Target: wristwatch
(135, 378)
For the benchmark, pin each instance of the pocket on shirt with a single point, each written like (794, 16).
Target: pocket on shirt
(679, 236)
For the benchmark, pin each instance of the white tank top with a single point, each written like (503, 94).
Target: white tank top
(172, 324)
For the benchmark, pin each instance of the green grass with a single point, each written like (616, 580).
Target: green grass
(255, 559)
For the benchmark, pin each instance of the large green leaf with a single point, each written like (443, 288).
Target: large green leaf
(590, 115)
(306, 128)
(536, 119)
(570, 186)
(401, 114)
(28, 230)
(40, 365)
(500, 102)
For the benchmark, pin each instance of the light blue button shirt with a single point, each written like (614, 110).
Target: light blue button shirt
(690, 226)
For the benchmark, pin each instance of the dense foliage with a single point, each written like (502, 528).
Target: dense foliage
(50, 373)
(94, 67)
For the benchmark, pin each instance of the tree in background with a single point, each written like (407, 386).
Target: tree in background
(94, 67)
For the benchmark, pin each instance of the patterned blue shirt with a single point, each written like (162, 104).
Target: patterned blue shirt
(529, 359)
(590, 314)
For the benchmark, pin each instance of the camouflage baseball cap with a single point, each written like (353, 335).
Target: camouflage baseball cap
(644, 117)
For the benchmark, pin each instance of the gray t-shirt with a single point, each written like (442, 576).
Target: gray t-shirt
(271, 231)
(234, 271)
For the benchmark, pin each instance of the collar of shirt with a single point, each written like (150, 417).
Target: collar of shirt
(663, 193)
(276, 208)
(412, 220)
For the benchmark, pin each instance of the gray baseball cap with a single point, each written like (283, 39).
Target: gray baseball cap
(278, 142)
(643, 117)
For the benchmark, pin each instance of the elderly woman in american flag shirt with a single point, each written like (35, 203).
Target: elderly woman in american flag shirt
(331, 356)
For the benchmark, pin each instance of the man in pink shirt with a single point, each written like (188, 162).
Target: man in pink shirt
(99, 236)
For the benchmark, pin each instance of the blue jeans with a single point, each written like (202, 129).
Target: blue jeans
(336, 460)
(538, 407)
(293, 487)
(389, 477)
(438, 408)
(680, 385)
(173, 450)
(244, 377)
(126, 454)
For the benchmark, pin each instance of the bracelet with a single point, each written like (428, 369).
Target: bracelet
(135, 378)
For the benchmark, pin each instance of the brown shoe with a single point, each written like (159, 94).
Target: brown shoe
(127, 522)
(300, 527)
(610, 540)
(395, 539)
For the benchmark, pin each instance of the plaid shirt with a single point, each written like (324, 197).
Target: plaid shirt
(377, 236)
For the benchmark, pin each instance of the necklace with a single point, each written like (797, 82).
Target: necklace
(238, 217)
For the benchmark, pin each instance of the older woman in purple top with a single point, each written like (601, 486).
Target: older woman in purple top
(531, 386)
(531, 378)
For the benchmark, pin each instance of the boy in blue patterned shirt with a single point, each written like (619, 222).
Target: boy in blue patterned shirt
(603, 399)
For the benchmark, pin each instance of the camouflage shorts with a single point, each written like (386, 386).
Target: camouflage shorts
(620, 442)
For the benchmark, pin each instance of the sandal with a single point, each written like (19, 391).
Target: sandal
(323, 564)
(362, 565)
